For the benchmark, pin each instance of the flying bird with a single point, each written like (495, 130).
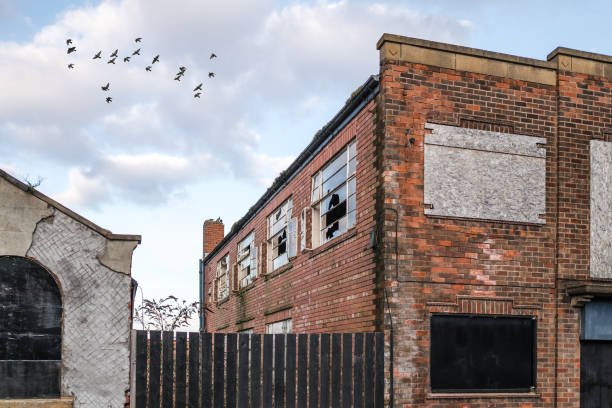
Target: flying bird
(126, 59)
(106, 87)
(155, 59)
(109, 99)
(111, 61)
(115, 54)
(213, 55)
(198, 88)
(148, 68)
(211, 74)
(180, 74)
(98, 55)
(71, 49)
(197, 95)
(70, 66)
(138, 39)
(68, 41)
(182, 69)
(178, 78)
(137, 52)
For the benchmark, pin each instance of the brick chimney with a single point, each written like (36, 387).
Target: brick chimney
(214, 230)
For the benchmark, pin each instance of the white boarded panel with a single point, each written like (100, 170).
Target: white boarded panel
(479, 174)
(601, 209)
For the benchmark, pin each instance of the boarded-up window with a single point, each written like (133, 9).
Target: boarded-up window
(247, 260)
(222, 278)
(601, 209)
(278, 234)
(280, 327)
(479, 174)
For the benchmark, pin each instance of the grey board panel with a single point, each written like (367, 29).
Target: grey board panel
(30, 379)
(601, 209)
(492, 185)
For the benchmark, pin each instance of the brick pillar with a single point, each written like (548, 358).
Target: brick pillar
(213, 233)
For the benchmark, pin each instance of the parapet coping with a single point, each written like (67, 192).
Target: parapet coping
(104, 232)
(462, 58)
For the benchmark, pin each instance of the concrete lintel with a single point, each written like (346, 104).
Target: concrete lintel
(64, 402)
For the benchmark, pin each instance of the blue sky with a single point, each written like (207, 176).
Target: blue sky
(157, 162)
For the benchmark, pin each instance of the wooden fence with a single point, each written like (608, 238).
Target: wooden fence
(252, 370)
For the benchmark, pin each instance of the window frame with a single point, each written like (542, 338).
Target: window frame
(219, 276)
(290, 324)
(273, 235)
(318, 196)
(484, 391)
(246, 254)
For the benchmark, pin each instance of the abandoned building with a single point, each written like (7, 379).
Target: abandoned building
(65, 304)
(460, 202)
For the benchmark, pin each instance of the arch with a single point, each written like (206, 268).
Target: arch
(30, 330)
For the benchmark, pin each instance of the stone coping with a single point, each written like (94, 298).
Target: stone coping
(64, 402)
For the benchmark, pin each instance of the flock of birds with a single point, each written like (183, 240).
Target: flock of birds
(113, 57)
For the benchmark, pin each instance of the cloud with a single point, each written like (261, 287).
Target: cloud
(278, 67)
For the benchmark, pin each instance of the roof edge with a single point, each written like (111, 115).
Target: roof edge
(104, 232)
(580, 54)
(369, 87)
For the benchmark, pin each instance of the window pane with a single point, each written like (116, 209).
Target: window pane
(352, 166)
(351, 203)
(334, 181)
(334, 214)
(333, 230)
(333, 200)
(280, 261)
(352, 149)
(351, 219)
(334, 166)
(351, 186)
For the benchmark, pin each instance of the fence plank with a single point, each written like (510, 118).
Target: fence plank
(243, 371)
(336, 378)
(279, 370)
(358, 371)
(194, 368)
(168, 369)
(231, 371)
(379, 394)
(255, 370)
(154, 368)
(290, 372)
(140, 396)
(180, 388)
(368, 387)
(313, 371)
(206, 385)
(219, 363)
(347, 360)
(302, 378)
(324, 403)
(267, 370)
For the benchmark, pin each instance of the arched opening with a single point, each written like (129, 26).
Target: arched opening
(30, 330)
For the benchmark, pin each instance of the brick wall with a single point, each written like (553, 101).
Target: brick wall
(327, 289)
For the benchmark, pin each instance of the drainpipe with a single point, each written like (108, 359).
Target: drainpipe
(202, 294)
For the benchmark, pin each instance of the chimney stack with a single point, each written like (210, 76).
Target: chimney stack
(214, 230)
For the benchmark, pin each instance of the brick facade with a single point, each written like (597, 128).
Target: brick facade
(441, 264)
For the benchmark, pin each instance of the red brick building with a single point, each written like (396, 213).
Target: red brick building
(460, 202)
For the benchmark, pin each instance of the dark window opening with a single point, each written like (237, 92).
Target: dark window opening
(475, 353)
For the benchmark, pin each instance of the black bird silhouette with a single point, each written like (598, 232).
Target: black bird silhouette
(180, 73)
(182, 69)
(178, 78)
(98, 55)
(213, 55)
(197, 95)
(211, 74)
(109, 99)
(70, 66)
(115, 54)
(137, 52)
(68, 41)
(155, 59)
(198, 88)
(111, 61)
(106, 87)
(71, 49)
(148, 68)
(126, 59)
(138, 39)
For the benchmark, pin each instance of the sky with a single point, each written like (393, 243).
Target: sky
(158, 162)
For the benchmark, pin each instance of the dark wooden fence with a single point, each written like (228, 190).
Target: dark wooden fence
(252, 370)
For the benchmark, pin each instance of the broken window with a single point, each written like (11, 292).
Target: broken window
(280, 327)
(222, 279)
(247, 260)
(333, 196)
(277, 234)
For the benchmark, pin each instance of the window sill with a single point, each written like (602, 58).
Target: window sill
(222, 301)
(278, 271)
(333, 242)
(482, 395)
(246, 288)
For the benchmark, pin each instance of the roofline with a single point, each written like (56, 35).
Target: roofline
(31, 190)
(354, 104)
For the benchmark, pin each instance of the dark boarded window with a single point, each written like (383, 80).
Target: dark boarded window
(30, 330)
(475, 353)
